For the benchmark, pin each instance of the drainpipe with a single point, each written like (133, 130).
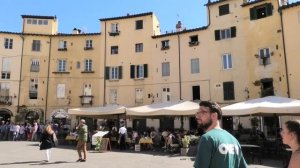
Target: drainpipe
(21, 66)
(179, 67)
(284, 55)
(47, 87)
(104, 85)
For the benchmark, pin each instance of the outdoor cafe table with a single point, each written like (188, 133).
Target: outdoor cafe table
(252, 151)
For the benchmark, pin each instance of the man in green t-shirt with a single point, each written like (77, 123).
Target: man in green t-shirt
(82, 131)
(217, 148)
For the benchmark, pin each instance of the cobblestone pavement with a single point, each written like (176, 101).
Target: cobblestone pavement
(27, 154)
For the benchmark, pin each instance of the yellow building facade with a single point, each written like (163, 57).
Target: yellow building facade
(242, 53)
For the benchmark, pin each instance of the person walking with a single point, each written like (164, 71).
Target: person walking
(217, 148)
(82, 131)
(291, 136)
(47, 141)
(123, 135)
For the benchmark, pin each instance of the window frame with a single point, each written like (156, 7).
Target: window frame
(61, 65)
(227, 61)
(139, 24)
(88, 65)
(195, 66)
(139, 47)
(165, 69)
(114, 50)
(264, 56)
(228, 90)
(8, 43)
(36, 45)
(224, 9)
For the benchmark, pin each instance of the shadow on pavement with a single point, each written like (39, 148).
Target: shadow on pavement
(49, 163)
(20, 162)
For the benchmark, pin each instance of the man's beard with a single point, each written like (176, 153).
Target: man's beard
(205, 126)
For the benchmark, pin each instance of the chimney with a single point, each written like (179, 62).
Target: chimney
(76, 31)
(178, 26)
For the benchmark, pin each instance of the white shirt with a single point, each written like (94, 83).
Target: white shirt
(122, 130)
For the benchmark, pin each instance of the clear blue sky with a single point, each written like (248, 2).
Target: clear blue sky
(85, 14)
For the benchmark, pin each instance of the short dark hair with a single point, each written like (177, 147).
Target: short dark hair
(294, 126)
(213, 106)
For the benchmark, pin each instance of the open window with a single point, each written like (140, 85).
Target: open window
(261, 11)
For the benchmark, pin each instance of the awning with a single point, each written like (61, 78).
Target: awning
(98, 111)
(263, 106)
(165, 109)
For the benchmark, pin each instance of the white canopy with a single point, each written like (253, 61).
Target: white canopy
(261, 106)
(167, 108)
(98, 111)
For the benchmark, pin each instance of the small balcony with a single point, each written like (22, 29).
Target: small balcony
(193, 43)
(115, 33)
(86, 100)
(165, 47)
(62, 49)
(88, 48)
(6, 100)
(34, 68)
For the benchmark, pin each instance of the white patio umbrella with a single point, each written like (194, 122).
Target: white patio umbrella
(179, 108)
(264, 106)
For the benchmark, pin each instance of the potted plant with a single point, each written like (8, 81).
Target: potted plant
(185, 145)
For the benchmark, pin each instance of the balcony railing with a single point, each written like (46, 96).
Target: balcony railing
(88, 48)
(34, 68)
(86, 100)
(114, 33)
(62, 49)
(5, 100)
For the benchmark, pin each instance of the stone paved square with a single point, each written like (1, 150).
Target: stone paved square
(25, 154)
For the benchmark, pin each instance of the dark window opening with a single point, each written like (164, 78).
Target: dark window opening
(261, 11)
(196, 92)
(224, 9)
(267, 88)
(228, 90)
(139, 24)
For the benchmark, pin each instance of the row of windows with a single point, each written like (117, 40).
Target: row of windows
(137, 71)
(37, 21)
(36, 44)
(228, 92)
(115, 30)
(256, 12)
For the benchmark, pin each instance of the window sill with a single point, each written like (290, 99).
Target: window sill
(113, 80)
(138, 79)
(114, 33)
(62, 49)
(59, 72)
(88, 48)
(87, 71)
(193, 43)
(165, 48)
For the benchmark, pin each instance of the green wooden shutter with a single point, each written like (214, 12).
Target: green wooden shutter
(253, 14)
(269, 9)
(233, 31)
(132, 68)
(106, 72)
(120, 72)
(145, 70)
(217, 35)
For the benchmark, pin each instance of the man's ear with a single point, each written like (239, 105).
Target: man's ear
(214, 116)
